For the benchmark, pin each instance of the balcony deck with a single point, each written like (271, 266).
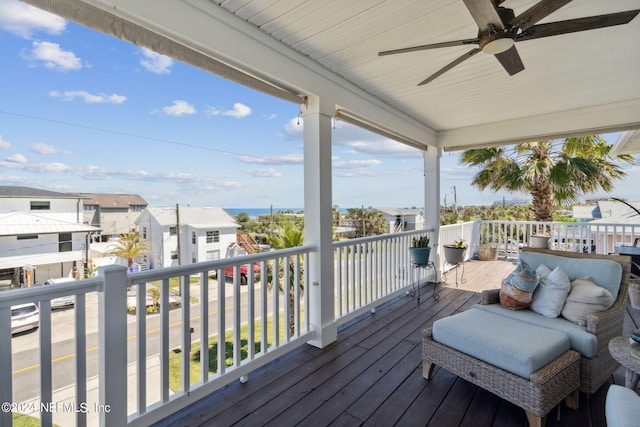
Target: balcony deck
(373, 375)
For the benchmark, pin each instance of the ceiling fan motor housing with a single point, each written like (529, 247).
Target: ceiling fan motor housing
(500, 37)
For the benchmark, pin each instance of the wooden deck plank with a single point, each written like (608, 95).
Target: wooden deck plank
(373, 375)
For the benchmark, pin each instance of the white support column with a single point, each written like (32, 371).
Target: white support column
(317, 117)
(432, 201)
(112, 336)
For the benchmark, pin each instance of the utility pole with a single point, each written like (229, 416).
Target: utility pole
(178, 232)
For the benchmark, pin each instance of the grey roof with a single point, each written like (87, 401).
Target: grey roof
(110, 200)
(207, 217)
(396, 211)
(10, 191)
(21, 223)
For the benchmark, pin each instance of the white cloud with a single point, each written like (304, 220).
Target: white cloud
(17, 158)
(24, 20)
(239, 111)
(355, 164)
(88, 98)
(155, 62)
(294, 129)
(53, 57)
(287, 159)
(4, 144)
(264, 173)
(42, 148)
(179, 108)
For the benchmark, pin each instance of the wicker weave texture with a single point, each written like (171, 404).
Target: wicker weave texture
(539, 394)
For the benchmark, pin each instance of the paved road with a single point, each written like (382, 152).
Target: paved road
(26, 371)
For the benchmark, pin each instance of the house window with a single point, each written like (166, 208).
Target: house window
(193, 237)
(38, 205)
(211, 255)
(174, 254)
(173, 231)
(144, 232)
(194, 259)
(27, 237)
(213, 236)
(64, 242)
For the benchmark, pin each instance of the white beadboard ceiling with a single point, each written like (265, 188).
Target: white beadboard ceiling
(572, 84)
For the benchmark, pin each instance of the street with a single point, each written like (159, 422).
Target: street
(26, 363)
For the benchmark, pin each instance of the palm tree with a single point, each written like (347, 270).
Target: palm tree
(130, 246)
(287, 237)
(553, 172)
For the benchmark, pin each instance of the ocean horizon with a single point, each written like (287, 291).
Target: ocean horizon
(256, 212)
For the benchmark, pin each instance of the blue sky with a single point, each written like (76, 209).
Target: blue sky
(81, 111)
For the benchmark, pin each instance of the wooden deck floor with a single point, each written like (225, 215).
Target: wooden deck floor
(372, 376)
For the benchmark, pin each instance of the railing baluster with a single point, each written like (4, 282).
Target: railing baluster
(141, 345)
(204, 327)
(81, 357)
(222, 309)
(46, 380)
(164, 337)
(6, 382)
(186, 332)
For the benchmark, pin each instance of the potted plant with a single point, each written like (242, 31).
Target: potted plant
(420, 250)
(539, 240)
(487, 250)
(454, 253)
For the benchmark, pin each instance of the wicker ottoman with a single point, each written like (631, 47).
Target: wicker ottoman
(536, 392)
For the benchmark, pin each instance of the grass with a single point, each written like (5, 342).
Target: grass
(21, 420)
(175, 356)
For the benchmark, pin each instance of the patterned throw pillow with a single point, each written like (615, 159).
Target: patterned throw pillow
(517, 289)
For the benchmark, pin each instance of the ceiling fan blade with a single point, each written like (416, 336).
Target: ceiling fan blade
(484, 13)
(430, 46)
(537, 12)
(510, 60)
(450, 66)
(577, 25)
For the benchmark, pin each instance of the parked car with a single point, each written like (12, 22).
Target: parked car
(65, 301)
(24, 317)
(244, 272)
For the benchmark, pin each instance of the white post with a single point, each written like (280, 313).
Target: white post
(317, 218)
(432, 202)
(112, 335)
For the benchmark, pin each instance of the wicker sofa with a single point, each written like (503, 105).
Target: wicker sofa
(605, 325)
(585, 364)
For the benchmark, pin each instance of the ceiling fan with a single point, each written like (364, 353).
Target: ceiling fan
(499, 29)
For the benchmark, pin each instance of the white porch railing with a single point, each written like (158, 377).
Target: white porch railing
(371, 270)
(589, 237)
(149, 366)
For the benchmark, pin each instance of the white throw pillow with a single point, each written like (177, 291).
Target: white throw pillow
(552, 291)
(585, 298)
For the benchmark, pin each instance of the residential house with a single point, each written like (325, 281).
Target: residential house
(114, 214)
(41, 235)
(402, 219)
(178, 235)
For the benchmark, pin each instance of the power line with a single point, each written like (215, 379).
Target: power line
(132, 135)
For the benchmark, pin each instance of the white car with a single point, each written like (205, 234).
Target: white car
(65, 301)
(24, 317)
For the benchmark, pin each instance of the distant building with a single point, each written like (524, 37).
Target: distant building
(204, 233)
(115, 214)
(42, 236)
(402, 219)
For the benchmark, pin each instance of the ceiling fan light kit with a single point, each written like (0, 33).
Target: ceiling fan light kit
(499, 29)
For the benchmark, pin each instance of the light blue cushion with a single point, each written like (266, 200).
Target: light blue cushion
(604, 272)
(622, 408)
(580, 340)
(519, 348)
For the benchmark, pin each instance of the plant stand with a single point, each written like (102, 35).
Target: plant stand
(415, 291)
(455, 267)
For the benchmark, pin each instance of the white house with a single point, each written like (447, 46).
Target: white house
(205, 234)
(41, 235)
(114, 214)
(402, 219)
